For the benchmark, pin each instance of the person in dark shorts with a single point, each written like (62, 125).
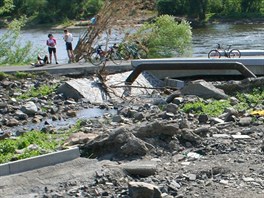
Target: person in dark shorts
(51, 43)
(68, 38)
(41, 61)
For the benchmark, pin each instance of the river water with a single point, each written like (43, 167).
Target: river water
(250, 36)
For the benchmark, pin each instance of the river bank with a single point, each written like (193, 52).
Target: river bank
(157, 142)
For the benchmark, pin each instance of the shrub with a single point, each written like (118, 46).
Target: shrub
(165, 37)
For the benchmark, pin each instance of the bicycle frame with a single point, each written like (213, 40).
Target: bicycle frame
(228, 52)
(225, 51)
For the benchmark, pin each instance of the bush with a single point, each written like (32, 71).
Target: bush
(165, 37)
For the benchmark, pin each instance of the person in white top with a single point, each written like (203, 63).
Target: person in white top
(68, 38)
(51, 43)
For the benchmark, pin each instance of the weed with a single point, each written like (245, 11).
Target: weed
(3, 76)
(24, 75)
(213, 108)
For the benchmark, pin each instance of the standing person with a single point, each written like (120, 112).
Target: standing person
(68, 38)
(51, 43)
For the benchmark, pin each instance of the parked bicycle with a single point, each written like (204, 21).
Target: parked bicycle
(134, 50)
(219, 51)
(98, 55)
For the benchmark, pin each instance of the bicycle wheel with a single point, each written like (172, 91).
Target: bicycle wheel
(116, 58)
(96, 59)
(234, 53)
(214, 54)
(142, 54)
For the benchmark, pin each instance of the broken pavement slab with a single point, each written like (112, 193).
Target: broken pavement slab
(95, 92)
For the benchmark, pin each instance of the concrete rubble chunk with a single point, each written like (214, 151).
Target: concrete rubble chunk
(241, 137)
(204, 90)
(83, 88)
(143, 190)
(248, 179)
(221, 136)
(246, 121)
(141, 168)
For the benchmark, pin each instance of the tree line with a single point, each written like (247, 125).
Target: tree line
(200, 9)
(51, 11)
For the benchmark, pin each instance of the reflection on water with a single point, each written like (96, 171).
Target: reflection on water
(239, 36)
(58, 124)
(248, 36)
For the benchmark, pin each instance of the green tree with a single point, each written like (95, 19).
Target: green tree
(6, 6)
(215, 6)
(172, 7)
(165, 37)
(46, 11)
(251, 6)
(197, 9)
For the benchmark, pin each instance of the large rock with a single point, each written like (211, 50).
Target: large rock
(158, 128)
(134, 146)
(30, 108)
(80, 138)
(143, 190)
(204, 90)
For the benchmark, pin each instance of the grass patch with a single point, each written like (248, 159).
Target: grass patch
(43, 143)
(34, 143)
(4, 75)
(24, 75)
(213, 108)
(43, 90)
(247, 101)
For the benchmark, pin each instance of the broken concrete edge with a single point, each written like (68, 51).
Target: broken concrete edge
(39, 161)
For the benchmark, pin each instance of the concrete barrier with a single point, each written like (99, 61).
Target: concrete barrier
(39, 161)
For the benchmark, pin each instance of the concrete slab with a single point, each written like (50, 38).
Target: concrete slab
(4, 169)
(39, 161)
